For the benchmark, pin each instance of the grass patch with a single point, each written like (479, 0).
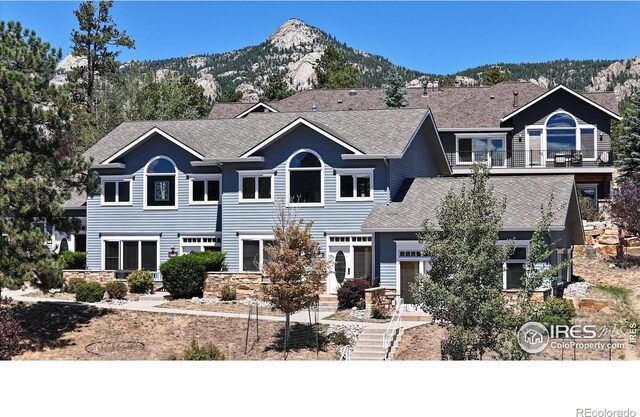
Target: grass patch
(615, 292)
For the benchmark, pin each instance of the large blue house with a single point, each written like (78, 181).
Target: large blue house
(366, 178)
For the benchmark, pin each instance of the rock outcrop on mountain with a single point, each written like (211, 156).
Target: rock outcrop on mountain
(68, 63)
(621, 77)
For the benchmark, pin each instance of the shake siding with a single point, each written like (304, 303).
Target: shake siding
(417, 162)
(259, 218)
(132, 219)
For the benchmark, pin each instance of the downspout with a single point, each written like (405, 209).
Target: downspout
(388, 175)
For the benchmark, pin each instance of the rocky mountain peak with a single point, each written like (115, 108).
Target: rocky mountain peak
(293, 33)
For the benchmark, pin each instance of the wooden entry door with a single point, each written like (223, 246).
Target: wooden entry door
(408, 272)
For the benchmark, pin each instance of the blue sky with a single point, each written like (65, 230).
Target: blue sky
(427, 36)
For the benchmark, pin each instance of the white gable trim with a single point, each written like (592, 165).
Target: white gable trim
(146, 136)
(562, 87)
(291, 126)
(255, 106)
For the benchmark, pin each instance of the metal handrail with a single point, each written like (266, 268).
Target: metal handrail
(345, 353)
(387, 337)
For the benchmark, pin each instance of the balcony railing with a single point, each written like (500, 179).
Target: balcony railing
(533, 159)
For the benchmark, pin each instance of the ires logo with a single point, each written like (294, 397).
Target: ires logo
(562, 331)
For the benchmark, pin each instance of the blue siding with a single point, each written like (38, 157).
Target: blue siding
(131, 219)
(385, 252)
(259, 217)
(417, 162)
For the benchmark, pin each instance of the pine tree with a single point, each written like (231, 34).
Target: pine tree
(629, 158)
(494, 76)
(276, 89)
(95, 41)
(170, 99)
(395, 91)
(464, 286)
(39, 164)
(333, 71)
(230, 95)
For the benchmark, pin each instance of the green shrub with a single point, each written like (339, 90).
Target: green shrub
(559, 307)
(361, 304)
(196, 352)
(550, 320)
(340, 338)
(351, 292)
(140, 282)
(48, 276)
(73, 260)
(589, 213)
(91, 292)
(378, 313)
(72, 284)
(183, 276)
(117, 290)
(227, 293)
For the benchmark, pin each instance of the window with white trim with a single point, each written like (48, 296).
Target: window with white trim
(161, 184)
(354, 184)
(130, 255)
(514, 268)
(305, 179)
(190, 244)
(255, 186)
(204, 189)
(562, 136)
(485, 147)
(253, 253)
(116, 190)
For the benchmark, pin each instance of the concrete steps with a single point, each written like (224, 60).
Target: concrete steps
(156, 296)
(328, 303)
(369, 344)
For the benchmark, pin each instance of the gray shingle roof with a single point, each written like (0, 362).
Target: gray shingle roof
(453, 107)
(524, 195)
(370, 131)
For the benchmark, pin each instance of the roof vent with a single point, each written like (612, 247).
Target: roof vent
(340, 101)
(352, 92)
(515, 99)
(314, 106)
(492, 97)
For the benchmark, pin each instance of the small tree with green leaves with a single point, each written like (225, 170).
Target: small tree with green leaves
(629, 139)
(494, 76)
(395, 91)
(230, 95)
(295, 266)
(276, 89)
(333, 71)
(464, 286)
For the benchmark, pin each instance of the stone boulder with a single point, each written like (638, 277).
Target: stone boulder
(608, 240)
(609, 250)
(594, 304)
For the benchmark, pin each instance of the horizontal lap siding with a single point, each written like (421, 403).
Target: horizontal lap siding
(386, 256)
(133, 219)
(260, 217)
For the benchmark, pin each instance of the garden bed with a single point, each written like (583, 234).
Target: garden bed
(345, 315)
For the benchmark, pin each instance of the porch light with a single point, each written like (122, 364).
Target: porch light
(519, 137)
(601, 136)
(172, 253)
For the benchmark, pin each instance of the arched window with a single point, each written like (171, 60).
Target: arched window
(160, 182)
(561, 134)
(305, 180)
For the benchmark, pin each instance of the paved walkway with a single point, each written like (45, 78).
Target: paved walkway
(152, 307)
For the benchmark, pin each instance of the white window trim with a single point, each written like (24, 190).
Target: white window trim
(117, 179)
(206, 178)
(144, 185)
(126, 238)
(354, 172)
(261, 239)
(489, 136)
(217, 244)
(410, 245)
(516, 243)
(255, 174)
(543, 141)
(580, 186)
(287, 181)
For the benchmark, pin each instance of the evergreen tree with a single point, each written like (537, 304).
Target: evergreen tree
(169, 99)
(333, 71)
(39, 164)
(95, 41)
(494, 76)
(276, 89)
(464, 286)
(395, 91)
(230, 95)
(629, 139)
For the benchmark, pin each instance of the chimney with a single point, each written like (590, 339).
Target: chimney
(515, 99)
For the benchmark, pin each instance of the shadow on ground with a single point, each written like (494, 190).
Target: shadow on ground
(302, 336)
(45, 324)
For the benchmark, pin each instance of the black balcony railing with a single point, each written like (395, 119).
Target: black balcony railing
(532, 158)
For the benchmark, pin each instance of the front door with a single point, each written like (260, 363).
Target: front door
(408, 272)
(343, 259)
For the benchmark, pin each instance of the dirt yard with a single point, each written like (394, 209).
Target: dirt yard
(345, 315)
(421, 343)
(67, 332)
(220, 307)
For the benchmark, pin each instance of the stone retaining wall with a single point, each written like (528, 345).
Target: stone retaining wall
(247, 285)
(101, 277)
(608, 240)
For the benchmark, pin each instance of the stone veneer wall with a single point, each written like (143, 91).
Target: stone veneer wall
(101, 277)
(247, 285)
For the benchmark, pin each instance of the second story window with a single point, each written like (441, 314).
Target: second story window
(205, 189)
(255, 186)
(305, 181)
(161, 184)
(354, 184)
(116, 190)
